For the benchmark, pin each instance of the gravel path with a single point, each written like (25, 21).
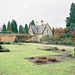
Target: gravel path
(53, 45)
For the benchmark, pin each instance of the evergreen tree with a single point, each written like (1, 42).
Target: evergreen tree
(71, 20)
(4, 27)
(14, 26)
(9, 28)
(26, 29)
(53, 30)
(21, 29)
(31, 23)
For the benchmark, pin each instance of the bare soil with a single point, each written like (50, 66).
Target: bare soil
(60, 58)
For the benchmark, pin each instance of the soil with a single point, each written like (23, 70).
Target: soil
(60, 58)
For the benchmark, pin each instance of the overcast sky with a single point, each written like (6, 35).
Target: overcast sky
(53, 12)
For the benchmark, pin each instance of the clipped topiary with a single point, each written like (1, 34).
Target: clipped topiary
(42, 57)
(3, 49)
(63, 50)
(40, 61)
(53, 59)
(7, 43)
(32, 58)
(15, 41)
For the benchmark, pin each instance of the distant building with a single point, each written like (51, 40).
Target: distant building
(39, 31)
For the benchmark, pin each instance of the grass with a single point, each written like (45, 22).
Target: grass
(13, 63)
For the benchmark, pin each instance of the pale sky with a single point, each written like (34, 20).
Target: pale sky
(53, 12)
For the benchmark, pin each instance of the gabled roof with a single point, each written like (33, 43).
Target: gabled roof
(39, 28)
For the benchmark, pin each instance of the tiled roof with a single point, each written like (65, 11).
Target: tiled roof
(39, 28)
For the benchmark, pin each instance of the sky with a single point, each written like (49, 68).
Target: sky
(53, 12)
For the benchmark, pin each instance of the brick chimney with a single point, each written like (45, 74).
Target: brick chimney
(42, 22)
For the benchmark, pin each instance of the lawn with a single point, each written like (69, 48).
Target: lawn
(13, 62)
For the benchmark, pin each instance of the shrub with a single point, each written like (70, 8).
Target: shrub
(3, 49)
(40, 61)
(0, 47)
(42, 57)
(63, 50)
(7, 43)
(32, 58)
(53, 59)
(1, 42)
(72, 54)
(15, 41)
(74, 49)
(56, 48)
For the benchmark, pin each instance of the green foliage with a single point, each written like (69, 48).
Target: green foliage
(67, 35)
(7, 43)
(53, 31)
(51, 40)
(4, 27)
(15, 41)
(72, 54)
(6, 32)
(21, 30)
(26, 28)
(74, 49)
(71, 20)
(14, 26)
(9, 27)
(2, 49)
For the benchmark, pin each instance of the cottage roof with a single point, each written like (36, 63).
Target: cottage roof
(39, 28)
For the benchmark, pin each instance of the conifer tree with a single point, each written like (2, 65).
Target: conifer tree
(21, 29)
(71, 19)
(26, 28)
(14, 26)
(4, 27)
(9, 28)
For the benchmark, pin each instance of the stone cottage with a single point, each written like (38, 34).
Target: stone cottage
(39, 31)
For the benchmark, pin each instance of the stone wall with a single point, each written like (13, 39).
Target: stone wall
(10, 37)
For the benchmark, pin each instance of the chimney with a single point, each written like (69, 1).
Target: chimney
(42, 22)
(36, 23)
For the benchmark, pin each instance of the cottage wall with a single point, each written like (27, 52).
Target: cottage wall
(47, 31)
(30, 31)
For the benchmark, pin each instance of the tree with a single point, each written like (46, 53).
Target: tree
(15, 41)
(9, 28)
(53, 31)
(31, 23)
(14, 26)
(26, 28)
(4, 27)
(73, 33)
(71, 20)
(21, 29)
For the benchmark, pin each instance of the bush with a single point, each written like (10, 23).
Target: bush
(63, 50)
(6, 32)
(56, 48)
(53, 59)
(72, 54)
(3, 49)
(7, 43)
(1, 42)
(32, 58)
(15, 41)
(40, 61)
(42, 57)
